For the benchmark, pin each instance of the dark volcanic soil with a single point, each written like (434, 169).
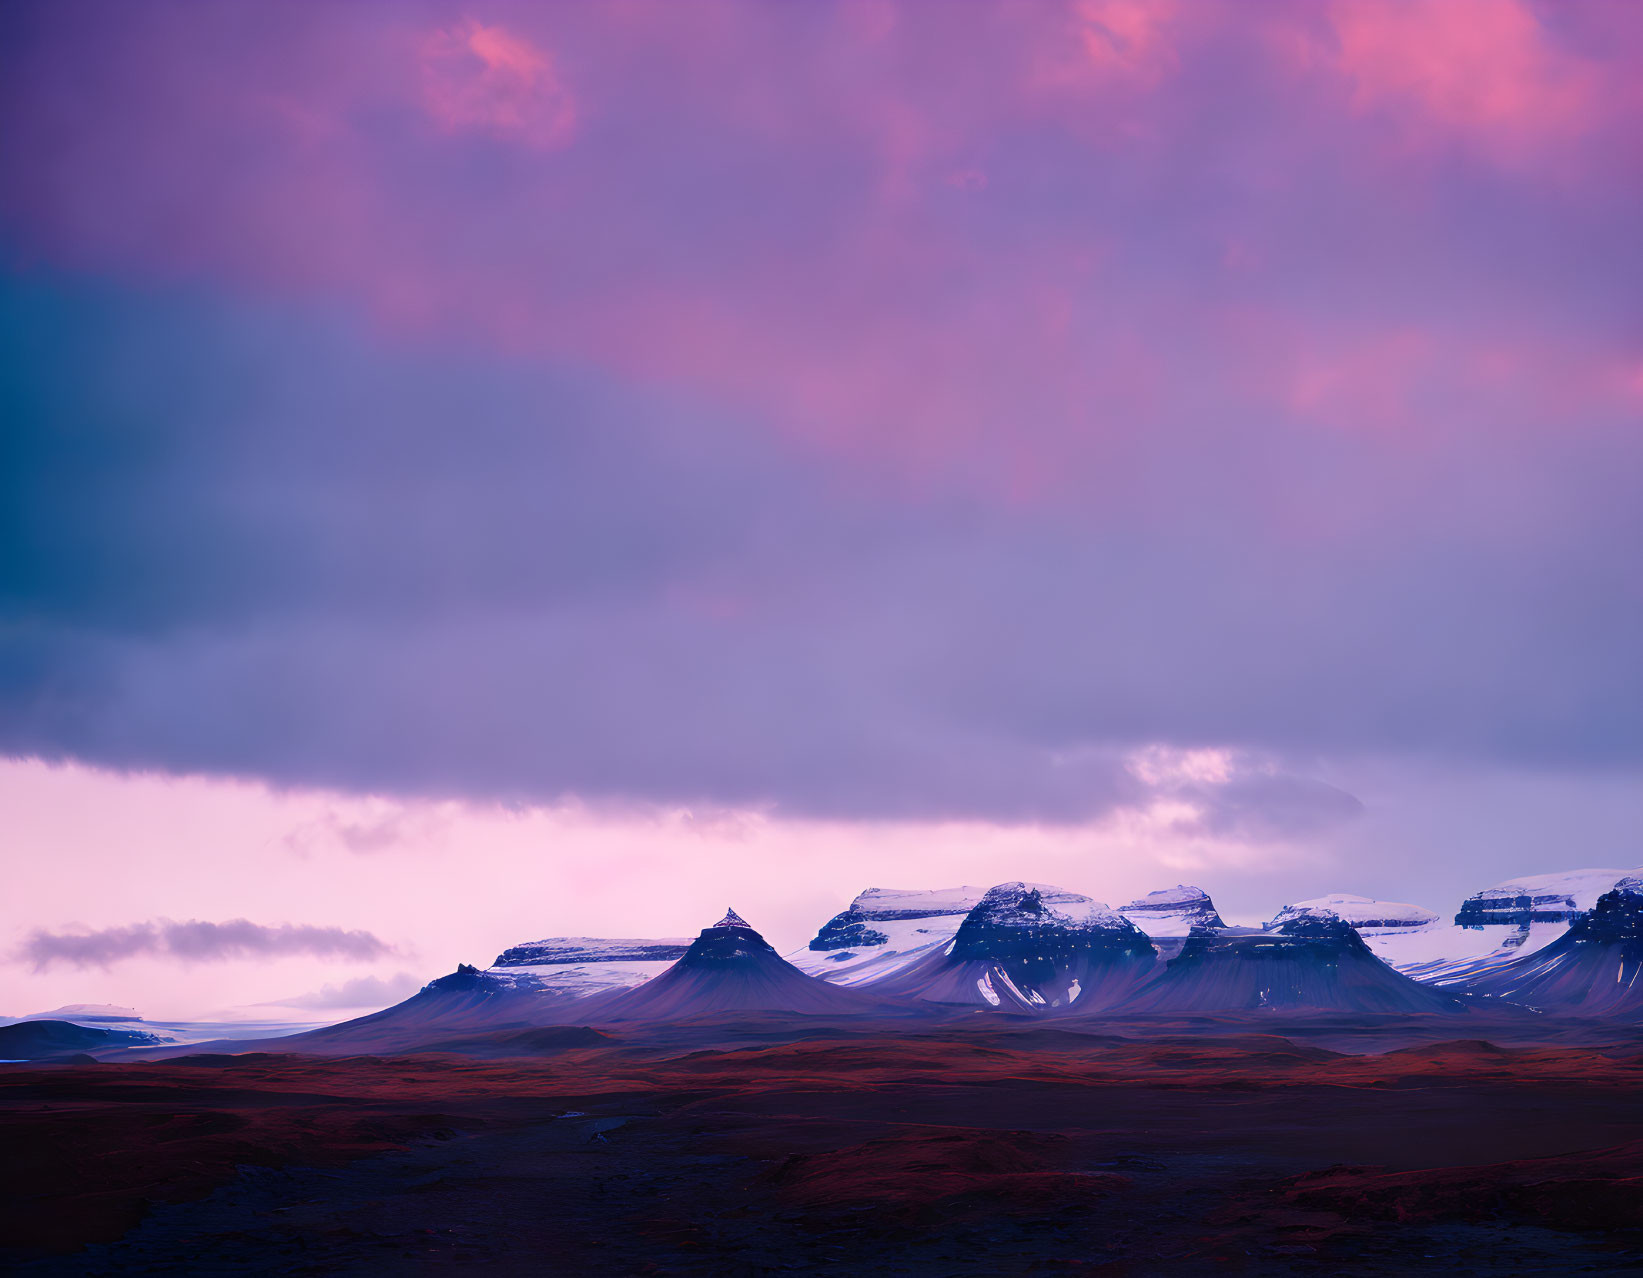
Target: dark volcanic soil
(965, 1150)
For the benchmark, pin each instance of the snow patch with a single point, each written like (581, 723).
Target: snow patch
(883, 931)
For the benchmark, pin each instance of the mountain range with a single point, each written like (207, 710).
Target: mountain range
(1037, 950)
(1569, 944)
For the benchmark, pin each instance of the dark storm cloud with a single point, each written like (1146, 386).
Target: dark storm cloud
(194, 941)
(863, 414)
(187, 463)
(273, 547)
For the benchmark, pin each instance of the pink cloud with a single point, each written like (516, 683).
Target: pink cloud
(1486, 71)
(488, 78)
(1127, 37)
(1365, 385)
(888, 233)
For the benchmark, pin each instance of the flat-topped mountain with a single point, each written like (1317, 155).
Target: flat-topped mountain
(884, 930)
(1538, 898)
(86, 1014)
(1591, 970)
(1497, 926)
(583, 966)
(558, 950)
(1364, 913)
(1173, 911)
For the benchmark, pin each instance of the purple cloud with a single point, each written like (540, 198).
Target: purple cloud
(196, 941)
(856, 411)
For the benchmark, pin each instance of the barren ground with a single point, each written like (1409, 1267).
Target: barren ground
(772, 1148)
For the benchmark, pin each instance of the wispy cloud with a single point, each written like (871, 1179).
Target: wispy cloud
(197, 941)
(370, 831)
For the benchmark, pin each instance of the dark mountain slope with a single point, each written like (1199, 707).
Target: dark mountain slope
(1591, 970)
(728, 968)
(41, 1040)
(1309, 963)
(467, 1000)
(1029, 947)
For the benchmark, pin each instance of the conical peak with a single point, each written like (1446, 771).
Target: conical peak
(732, 937)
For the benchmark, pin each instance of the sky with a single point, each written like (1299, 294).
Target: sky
(480, 472)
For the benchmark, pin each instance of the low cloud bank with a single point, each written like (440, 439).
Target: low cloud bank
(196, 941)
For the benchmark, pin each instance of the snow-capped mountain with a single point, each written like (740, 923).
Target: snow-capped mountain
(1590, 970)
(84, 1014)
(1173, 912)
(1311, 962)
(582, 966)
(559, 950)
(1365, 914)
(882, 931)
(1031, 947)
(1034, 918)
(729, 967)
(1409, 937)
(1498, 925)
(1538, 898)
